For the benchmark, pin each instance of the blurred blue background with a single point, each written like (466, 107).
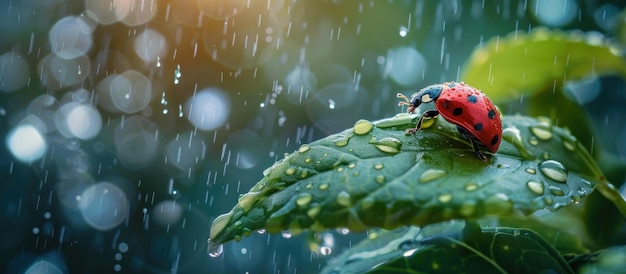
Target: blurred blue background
(129, 125)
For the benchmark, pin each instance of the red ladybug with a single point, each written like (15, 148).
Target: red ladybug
(475, 116)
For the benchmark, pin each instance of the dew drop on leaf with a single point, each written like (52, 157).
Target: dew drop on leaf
(554, 170)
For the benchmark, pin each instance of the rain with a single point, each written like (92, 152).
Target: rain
(128, 126)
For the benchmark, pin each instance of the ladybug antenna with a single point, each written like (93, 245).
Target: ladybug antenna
(406, 101)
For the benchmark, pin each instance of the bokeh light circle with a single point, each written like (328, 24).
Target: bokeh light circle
(245, 40)
(150, 45)
(220, 9)
(247, 148)
(130, 91)
(103, 206)
(136, 141)
(208, 109)
(554, 13)
(107, 12)
(405, 65)
(186, 151)
(78, 120)
(26, 143)
(14, 72)
(67, 38)
(141, 12)
(167, 212)
(69, 71)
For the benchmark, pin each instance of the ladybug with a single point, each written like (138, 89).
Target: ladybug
(473, 113)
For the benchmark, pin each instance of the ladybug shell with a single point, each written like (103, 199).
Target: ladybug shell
(472, 110)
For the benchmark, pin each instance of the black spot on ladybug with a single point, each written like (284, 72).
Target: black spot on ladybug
(491, 114)
(478, 126)
(457, 111)
(472, 99)
(494, 140)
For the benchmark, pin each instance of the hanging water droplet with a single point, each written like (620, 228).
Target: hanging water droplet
(220, 223)
(554, 170)
(215, 251)
(362, 127)
(326, 250)
(431, 175)
(408, 248)
(535, 187)
(286, 234)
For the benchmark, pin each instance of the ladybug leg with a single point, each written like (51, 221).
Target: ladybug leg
(429, 114)
(473, 142)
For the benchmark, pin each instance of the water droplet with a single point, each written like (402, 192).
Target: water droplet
(378, 166)
(220, 223)
(304, 174)
(323, 186)
(380, 179)
(571, 146)
(554, 170)
(247, 200)
(408, 248)
(431, 175)
(343, 198)
(445, 198)
(388, 145)
(339, 169)
(577, 199)
(215, 251)
(555, 190)
(542, 132)
(498, 204)
(313, 211)
(535, 187)
(533, 140)
(309, 186)
(286, 234)
(468, 208)
(351, 165)
(531, 170)
(513, 136)
(342, 142)
(548, 200)
(304, 148)
(362, 127)
(304, 199)
(290, 171)
(261, 231)
(325, 250)
(471, 187)
(367, 203)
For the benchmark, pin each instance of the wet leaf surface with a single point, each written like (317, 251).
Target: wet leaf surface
(373, 175)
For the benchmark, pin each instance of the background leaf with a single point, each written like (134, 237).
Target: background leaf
(525, 63)
(453, 248)
(373, 175)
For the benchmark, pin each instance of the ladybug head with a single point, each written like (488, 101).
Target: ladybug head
(425, 95)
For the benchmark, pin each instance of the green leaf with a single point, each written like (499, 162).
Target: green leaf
(524, 63)
(452, 248)
(612, 260)
(373, 175)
